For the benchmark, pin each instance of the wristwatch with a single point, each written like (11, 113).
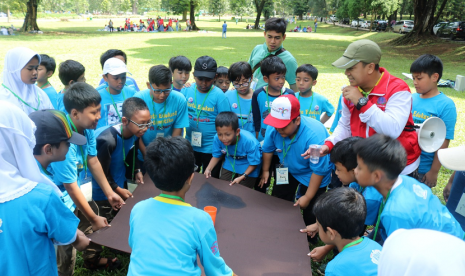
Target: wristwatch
(245, 176)
(137, 171)
(361, 103)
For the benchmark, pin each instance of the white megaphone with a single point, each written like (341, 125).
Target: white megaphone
(431, 134)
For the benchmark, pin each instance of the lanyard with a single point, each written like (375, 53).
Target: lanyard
(285, 151)
(362, 189)
(201, 107)
(233, 165)
(44, 171)
(84, 160)
(155, 114)
(269, 105)
(21, 100)
(114, 104)
(379, 214)
(240, 109)
(172, 197)
(124, 154)
(352, 243)
(44, 85)
(311, 103)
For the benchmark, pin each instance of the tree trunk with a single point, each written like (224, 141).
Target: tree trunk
(259, 4)
(30, 21)
(134, 6)
(192, 15)
(301, 17)
(184, 16)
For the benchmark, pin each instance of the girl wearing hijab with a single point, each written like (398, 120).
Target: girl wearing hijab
(19, 78)
(32, 215)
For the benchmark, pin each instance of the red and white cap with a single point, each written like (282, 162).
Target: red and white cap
(283, 110)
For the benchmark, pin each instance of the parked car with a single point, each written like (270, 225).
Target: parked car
(345, 21)
(333, 18)
(365, 24)
(2, 14)
(356, 22)
(452, 30)
(437, 26)
(379, 25)
(403, 26)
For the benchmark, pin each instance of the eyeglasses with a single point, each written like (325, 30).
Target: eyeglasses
(159, 91)
(141, 126)
(245, 84)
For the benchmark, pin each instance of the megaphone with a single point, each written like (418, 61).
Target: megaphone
(431, 134)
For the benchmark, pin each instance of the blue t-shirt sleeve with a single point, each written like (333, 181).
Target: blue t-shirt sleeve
(61, 222)
(91, 143)
(223, 105)
(323, 167)
(254, 154)
(216, 149)
(268, 144)
(449, 116)
(328, 107)
(392, 223)
(66, 170)
(182, 120)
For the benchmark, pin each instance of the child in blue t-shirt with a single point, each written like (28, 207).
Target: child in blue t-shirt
(290, 135)
(204, 102)
(114, 94)
(407, 203)
(44, 72)
(241, 150)
(222, 80)
(338, 114)
(312, 104)
(430, 102)
(340, 216)
(274, 74)
(187, 234)
(114, 53)
(69, 72)
(181, 68)
(240, 99)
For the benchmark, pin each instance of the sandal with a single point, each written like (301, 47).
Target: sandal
(95, 264)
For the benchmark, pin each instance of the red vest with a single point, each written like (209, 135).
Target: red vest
(379, 96)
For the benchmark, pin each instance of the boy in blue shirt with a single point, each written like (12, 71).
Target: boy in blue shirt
(44, 72)
(204, 102)
(242, 150)
(430, 102)
(114, 53)
(312, 104)
(407, 203)
(186, 232)
(69, 72)
(340, 216)
(240, 99)
(181, 68)
(114, 94)
(168, 108)
(290, 134)
(225, 27)
(82, 102)
(222, 80)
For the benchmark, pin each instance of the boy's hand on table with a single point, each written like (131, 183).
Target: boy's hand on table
(237, 180)
(318, 254)
(115, 201)
(139, 178)
(125, 194)
(98, 223)
(208, 172)
(303, 202)
(81, 242)
(311, 230)
(264, 178)
(430, 179)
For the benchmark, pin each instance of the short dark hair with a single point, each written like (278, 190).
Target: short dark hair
(222, 71)
(428, 64)
(342, 209)
(133, 104)
(112, 53)
(239, 69)
(169, 162)
(38, 148)
(309, 69)
(276, 24)
(365, 64)
(271, 65)
(181, 63)
(70, 70)
(227, 118)
(79, 96)
(48, 62)
(382, 152)
(343, 152)
(160, 74)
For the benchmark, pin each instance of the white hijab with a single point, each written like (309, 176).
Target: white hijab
(19, 172)
(422, 252)
(15, 60)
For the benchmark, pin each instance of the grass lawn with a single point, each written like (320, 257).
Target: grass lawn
(79, 40)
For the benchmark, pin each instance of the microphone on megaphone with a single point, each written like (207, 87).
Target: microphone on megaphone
(431, 134)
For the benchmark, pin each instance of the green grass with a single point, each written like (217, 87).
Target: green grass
(79, 40)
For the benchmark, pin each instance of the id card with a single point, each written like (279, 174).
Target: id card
(282, 175)
(461, 206)
(196, 139)
(160, 134)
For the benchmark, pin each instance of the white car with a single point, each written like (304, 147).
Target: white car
(437, 26)
(365, 24)
(333, 18)
(356, 23)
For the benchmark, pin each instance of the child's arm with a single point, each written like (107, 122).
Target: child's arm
(209, 255)
(311, 230)
(176, 132)
(81, 242)
(431, 177)
(79, 199)
(320, 252)
(267, 156)
(96, 169)
(324, 118)
(249, 170)
(211, 165)
(446, 191)
(313, 185)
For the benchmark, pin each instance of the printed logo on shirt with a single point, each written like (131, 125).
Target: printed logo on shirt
(163, 121)
(375, 254)
(234, 105)
(418, 190)
(191, 100)
(223, 151)
(381, 102)
(419, 118)
(317, 108)
(112, 115)
(279, 150)
(214, 248)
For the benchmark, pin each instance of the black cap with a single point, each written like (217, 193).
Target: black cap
(205, 66)
(53, 128)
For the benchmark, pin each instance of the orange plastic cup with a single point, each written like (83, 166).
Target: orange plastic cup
(211, 210)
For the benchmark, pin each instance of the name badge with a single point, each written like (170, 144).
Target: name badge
(461, 206)
(160, 134)
(282, 175)
(196, 139)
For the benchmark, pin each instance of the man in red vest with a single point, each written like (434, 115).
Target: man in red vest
(374, 102)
